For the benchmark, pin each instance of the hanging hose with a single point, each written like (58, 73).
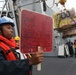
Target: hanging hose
(44, 5)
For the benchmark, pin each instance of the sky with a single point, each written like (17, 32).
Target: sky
(1, 3)
(71, 3)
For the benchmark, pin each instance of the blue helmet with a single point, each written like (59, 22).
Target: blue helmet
(6, 20)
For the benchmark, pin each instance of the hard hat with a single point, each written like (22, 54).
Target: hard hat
(62, 2)
(6, 20)
(17, 38)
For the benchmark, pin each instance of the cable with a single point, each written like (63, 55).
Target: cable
(44, 6)
(70, 15)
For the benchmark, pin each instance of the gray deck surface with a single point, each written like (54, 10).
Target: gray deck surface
(57, 66)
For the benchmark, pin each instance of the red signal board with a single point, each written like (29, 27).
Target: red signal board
(35, 30)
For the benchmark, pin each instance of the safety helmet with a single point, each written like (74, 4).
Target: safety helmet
(62, 2)
(6, 20)
(17, 38)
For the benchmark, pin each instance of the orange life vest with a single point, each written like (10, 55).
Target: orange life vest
(6, 46)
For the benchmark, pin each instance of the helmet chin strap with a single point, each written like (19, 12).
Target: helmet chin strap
(2, 31)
